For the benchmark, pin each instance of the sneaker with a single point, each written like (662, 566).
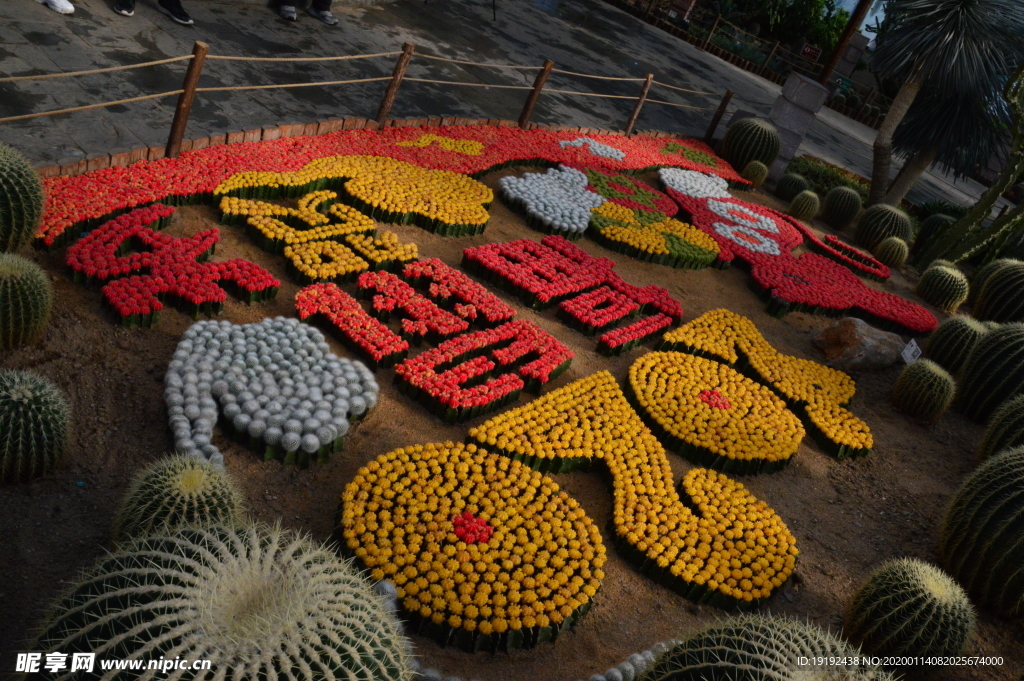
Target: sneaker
(58, 6)
(174, 10)
(125, 7)
(324, 16)
(288, 12)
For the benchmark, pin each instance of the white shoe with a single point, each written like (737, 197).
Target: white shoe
(58, 6)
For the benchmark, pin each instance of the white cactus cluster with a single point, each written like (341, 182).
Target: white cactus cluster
(275, 380)
(692, 183)
(558, 198)
(596, 148)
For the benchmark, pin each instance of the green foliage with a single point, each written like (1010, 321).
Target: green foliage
(944, 287)
(751, 139)
(1005, 429)
(34, 426)
(892, 251)
(982, 537)
(178, 491)
(805, 205)
(993, 373)
(940, 207)
(820, 22)
(790, 185)
(823, 177)
(881, 221)
(1001, 298)
(951, 344)
(909, 607)
(924, 390)
(21, 200)
(25, 300)
(258, 602)
(842, 205)
(755, 172)
(932, 227)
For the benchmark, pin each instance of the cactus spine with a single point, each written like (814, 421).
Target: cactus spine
(258, 602)
(1001, 298)
(751, 139)
(178, 491)
(924, 390)
(842, 205)
(25, 300)
(880, 221)
(790, 185)
(982, 275)
(805, 205)
(944, 287)
(892, 251)
(993, 373)
(1005, 428)
(909, 607)
(982, 537)
(34, 424)
(951, 344)
(758, 647)
(21, 200)
(755, 172)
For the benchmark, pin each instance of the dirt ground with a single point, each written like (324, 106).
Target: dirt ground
(848, 516)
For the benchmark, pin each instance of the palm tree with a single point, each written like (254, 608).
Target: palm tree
(957, 46)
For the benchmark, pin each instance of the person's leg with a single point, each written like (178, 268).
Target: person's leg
(174, 10)
(125, 7)
(59, 6)
(321, 5)
(286, 8)
(321, 9)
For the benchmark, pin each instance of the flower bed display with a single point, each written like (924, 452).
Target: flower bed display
(323, 261)
(594, 147)
(478, 372)
(713, 415)
(449, 286)
(845, 254)
(721, 546)
(526, 578)
(82, 202)
(280, 390)
(422, 318)
(385, 252)
(177, 269)
(468, 147)
(812, 390)
(763, 239)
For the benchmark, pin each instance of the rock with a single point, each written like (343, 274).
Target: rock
(852, 344)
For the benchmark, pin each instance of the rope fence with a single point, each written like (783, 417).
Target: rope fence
(591, 75)
(111, 69)
(11, 119)
(295, 59)
(681, 89)
(454, 82)
(239, 88)
(474, 63)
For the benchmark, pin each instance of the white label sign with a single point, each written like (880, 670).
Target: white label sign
(911, 352)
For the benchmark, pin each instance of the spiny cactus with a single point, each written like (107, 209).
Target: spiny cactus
(924, 390)
(1001, 297)
(982, 537)
(941, 263)
(755, 172)
(21, 200)
(841, 207)
(178, 491)
(992, 326)
(839, 99)
(983, 274)
(993, 373)
(34, 425)
(1005, 429)
(933, 226)
(752, 647)
(751, 139)
(805, 205)
(950, 345)
(257, 602)
(25, 300)
(880, 221)
(892, 251)
(790, 185)
(909, 607)
(944, 287)
(852, 101)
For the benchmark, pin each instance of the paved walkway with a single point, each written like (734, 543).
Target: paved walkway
(579, 35)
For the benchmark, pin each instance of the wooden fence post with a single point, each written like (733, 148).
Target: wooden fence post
(714, 27)
(396, 79)
(769, 58)
(639, 104)
(185, 99)
(531, 100)
(717, 118)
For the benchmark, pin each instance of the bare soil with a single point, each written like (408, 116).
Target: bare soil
(848, 516)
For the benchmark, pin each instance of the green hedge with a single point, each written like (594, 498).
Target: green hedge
(824, 177)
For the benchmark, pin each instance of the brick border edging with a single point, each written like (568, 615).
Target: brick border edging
(122, 157)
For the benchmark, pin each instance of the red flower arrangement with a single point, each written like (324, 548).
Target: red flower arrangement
(617, 341)
(714, 399)
(598, 309)
(474, 302)
(471, 529)
(423, 318)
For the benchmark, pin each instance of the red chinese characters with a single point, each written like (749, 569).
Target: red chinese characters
(469, 300)
(423, 318)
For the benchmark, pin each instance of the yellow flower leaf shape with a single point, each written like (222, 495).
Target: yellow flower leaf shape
(468, 147)
(649, 235)
(482, 549)
(819, 390)
(732, 551)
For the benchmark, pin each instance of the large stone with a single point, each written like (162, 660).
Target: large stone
(852, 344)
(793, 113)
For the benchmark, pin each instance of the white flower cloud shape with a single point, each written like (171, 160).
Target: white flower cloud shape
(596, 148)
(558, 198)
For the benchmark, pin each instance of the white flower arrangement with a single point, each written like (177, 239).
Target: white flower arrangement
(596, 148)
(558, 199)
(692, 183)
(276, 381)
(746, 227)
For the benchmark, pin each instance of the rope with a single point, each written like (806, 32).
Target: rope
(453, 82)
(236, 88)
(349, 56)
(682, 106)
(473, 63)
(681, 89)
(589, 75)
(11, 79)
(586, 94)
(91, 106)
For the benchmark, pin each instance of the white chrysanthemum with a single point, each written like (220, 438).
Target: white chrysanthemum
(596, 148)
(558, 198)
(692, 183)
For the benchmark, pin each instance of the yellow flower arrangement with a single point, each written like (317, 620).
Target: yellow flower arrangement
(317, 261)
(652, 235)
(733, 545)
(821, 390)
(468, 147)
(384, 252)
(529, 569)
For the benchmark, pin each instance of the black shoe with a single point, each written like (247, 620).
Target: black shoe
(174, 10)
(125, 7)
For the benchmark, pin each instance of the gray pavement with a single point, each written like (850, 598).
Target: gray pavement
(586, 36)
